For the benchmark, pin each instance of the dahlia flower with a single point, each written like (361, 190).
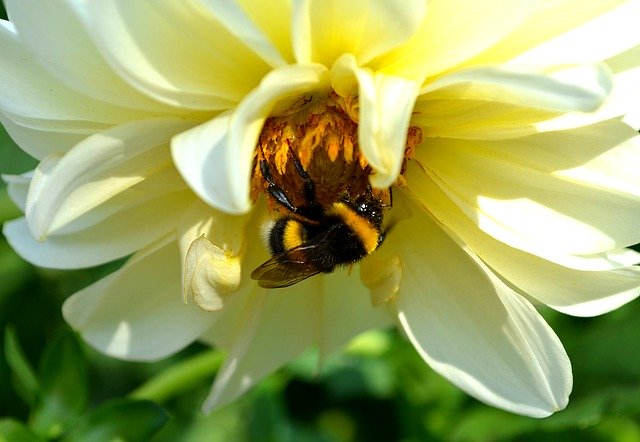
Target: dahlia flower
(494, 131)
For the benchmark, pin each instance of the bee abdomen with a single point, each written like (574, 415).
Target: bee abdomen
(285, 234)
(364, 233)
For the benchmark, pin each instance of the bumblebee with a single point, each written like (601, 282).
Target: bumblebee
(315, 239)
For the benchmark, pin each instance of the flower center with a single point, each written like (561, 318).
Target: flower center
(322, 135)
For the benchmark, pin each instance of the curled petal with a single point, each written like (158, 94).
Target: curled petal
(95, 170)
(209, 273)
(216, 158)
(18, 187)
(385, 106)
(382, 274)
(40, 143)
(578, 88)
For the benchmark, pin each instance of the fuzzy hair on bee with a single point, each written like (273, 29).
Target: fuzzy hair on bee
(314, 239)
(342, 234)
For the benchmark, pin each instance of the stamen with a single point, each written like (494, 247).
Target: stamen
(322, 134)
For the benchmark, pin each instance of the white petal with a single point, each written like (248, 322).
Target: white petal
(40, 143)
(274, 20)
(201, 155)
(633, 120)
(33, 98)
(216, 158)
(562, 32)
(463, 117)
(473, 329)
(230, 15)
(62, 46)
(266, 330)
(323, 30)
(112, 237)
(179, 54)
(452, 31)
(502, 189)
(609, 169)
(18, 187)
(137, 312)
(609, 33)
(572, 291)
(209, 273)
(211, 247)
(479, 119)
(578, 88)
(96, 169)
(347, 310)
(385, 106)
(225, 231)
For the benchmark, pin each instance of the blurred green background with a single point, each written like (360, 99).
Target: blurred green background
(53, 387)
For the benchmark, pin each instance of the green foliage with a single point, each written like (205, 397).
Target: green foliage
(12, 430)
(119, 419)
(25, 381)
(63, 393)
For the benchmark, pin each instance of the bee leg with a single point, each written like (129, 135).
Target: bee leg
(309, 190)
(274, 190)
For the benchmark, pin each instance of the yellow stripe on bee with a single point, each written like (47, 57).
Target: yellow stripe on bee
(363, 228)
(292, 235)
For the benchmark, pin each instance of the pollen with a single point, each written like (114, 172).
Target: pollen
(323, 136)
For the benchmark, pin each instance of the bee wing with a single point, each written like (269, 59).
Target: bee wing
(284, 270)
(294, 265)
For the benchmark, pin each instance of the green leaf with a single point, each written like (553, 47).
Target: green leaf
(488, 424)
(26, 383)
(63, 387)
(14, 431)
(121, 419)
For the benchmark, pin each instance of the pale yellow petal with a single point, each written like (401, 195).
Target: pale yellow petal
(452, 32)
(209, 273)
(33, 98)
(592, 288)
(216, 158)
(274, 19)
(137, 313)
(576, 88)
(40, 143)
(326, 29)
(385, 105)
(471, 328)
(178, 54)
(498, 187)
(566, 32)
(98, 168)
(211, 245)
(70, 55)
